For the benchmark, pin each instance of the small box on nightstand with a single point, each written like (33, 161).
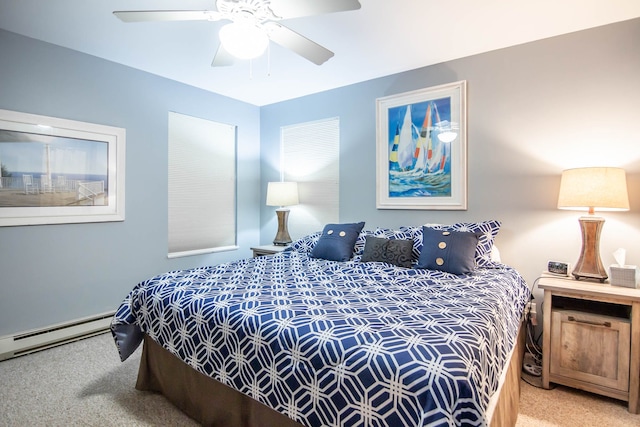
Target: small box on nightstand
(623, 275)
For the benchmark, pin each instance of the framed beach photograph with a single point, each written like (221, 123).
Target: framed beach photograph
(56, 171)
(421, 139)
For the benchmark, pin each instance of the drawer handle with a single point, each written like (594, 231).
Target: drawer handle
(590, 322)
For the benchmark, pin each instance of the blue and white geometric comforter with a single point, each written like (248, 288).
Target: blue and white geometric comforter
(337, 343)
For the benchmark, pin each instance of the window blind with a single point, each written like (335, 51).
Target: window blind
(202, 186)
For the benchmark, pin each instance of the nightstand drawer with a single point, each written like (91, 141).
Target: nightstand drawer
(590, 348)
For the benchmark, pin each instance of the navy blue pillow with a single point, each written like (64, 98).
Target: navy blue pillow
(450, 251)
(337, 241)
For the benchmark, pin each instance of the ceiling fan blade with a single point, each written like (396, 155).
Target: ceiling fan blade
(301, 45)
(222, 58)
(286, 9)
(167, 15)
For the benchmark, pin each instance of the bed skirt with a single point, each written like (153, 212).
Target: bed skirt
(214, 404)
(505, 404)
(204, 399)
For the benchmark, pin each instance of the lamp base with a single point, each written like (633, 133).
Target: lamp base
(282, 236)
(589, 265)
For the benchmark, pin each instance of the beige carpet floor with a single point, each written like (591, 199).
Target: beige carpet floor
(80, 384)
(85, 384)
(567, 407)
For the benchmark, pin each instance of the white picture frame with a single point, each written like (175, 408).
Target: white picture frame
(59, 171)
(421, 155)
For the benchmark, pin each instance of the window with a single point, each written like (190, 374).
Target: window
(202, 186)
(310, 155)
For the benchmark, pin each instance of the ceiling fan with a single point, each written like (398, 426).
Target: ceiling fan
(253, 24)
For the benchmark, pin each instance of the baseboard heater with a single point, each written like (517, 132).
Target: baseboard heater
(54, 335)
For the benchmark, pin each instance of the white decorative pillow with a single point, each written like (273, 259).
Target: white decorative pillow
(306, 243)
(495, 254)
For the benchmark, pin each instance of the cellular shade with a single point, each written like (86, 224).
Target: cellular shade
(202, 186)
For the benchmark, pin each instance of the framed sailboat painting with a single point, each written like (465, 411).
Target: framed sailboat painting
(422, 149)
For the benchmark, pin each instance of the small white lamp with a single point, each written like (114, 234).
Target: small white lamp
(599, 188)
(282, 194)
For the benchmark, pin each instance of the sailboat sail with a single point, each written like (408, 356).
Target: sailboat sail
(422, 151)
(405, 142)
(435, 160)
(393, 155)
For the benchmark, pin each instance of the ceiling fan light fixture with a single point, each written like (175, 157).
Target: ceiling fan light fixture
(447, 131)
(243, 40)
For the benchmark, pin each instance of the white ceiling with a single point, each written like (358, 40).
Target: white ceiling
(384, 37)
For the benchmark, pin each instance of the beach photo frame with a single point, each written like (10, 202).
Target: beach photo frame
(421, 149)
(58, 171)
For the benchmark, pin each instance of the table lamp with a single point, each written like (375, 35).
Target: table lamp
(594, 188)
(282, 194)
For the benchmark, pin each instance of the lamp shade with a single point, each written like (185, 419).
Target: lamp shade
(243, 40)
(599, 188)
(282, 193)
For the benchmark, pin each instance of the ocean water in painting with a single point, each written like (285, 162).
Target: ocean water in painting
(45, 170)
(420, 149)
(430, 185)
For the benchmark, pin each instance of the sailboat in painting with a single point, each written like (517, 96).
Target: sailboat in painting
(419, 162)
(431, 154)
(402, 154)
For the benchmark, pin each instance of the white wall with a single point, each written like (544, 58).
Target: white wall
(533, 110)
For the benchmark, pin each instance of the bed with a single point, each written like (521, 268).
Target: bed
(383, 330)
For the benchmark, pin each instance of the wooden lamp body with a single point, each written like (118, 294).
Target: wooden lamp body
(282, 236)
(282, 194)
(589, 265)
(601, 188)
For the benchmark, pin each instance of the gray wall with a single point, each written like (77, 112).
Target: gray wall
(533, 110)
(55, 273)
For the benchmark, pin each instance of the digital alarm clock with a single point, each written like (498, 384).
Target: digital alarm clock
(559, 268)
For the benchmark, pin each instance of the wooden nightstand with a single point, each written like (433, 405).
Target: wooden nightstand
(591, 337)
(267, 250)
